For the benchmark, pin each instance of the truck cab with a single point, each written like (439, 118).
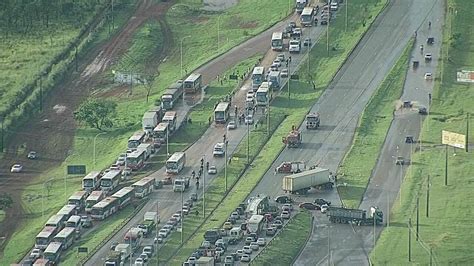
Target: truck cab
(181, 184)
(294, 46)
(312, 121)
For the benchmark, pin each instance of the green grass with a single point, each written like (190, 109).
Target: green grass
(285, 247)
(371, 132)
(2, 215)
(447, 230)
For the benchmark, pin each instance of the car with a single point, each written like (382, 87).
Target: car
(297, 31)
(261, 241)
(144, 256)
(16, 168)
(428, 57)
(194, 197)
(212, 170)
(307, 42)
(32, 155)
(277, 62)
(309, 206)
(163, 233)
(186, 210)
(221, 243)
(278, 224)
(285, 215)
(248, 240)
(232, 125)
(250, 94)
(287, 207)
(114, 167)
(249, 119)
(324, 208)
(292, 24)
(229, 260)
(281, 57)
(220, 251)
(247, 249)
(120, 161)
(245, 258)
(284, 73)
(422, 110)
(189, 203)
(168, 227)
(239, 253)
(86, 221)
(320, 202)
(127, 171)
(159, 239)
(192, 260)
(235, 215)
(253, 236)
(271, 231)
(399, 160)
(227, 226)
(206, 244)
(177, 216)
(239, 210)
(428, 76)
(114, 244)
(139, 262)
(254, 246)
(283, 199)
(35, 253)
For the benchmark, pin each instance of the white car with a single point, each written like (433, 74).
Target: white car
(163, 233)
(35, 253)
(285, 215)
(428, 76)
(245, 258)
(218, 149)
(247, 249)
(287, 207)
(177, 216)
(120, 161)
(281, 57)
(284, 73)
(324, 208)
(32, 155)
(297, 31)
(261, 241)
(250, 94)
(232, 125)
(139, 262)
(212, 170)
(254, 246)
(277, 62)
(144, 256)
(428, 57)
(16, 168)
(249, 119)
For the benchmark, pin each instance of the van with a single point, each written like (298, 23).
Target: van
(218, 150)
(236, 233)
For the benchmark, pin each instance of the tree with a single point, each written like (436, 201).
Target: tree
(96, 113)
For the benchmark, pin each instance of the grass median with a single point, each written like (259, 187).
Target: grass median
(370, 134)
(446, 233)
(285, 247)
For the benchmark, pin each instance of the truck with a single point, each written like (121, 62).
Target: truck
(114, 258)
(147, 148)
(205, 261)
(171, 118)
(312, 121)
(149, 222)
(302, 182)
(149, 121)
(357, 216)
(274, 78)
(181, 184)
(300, 5)
(293, 139)
(294, 46)
(171, 95)
(291, 167)
(212, 235)
(134, 238)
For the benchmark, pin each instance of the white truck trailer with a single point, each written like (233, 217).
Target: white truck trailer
(149, 121)
(300, 183)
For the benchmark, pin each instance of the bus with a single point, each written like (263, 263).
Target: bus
(110, 180)
(91, 181)
(257, 76)
(193, 83)
(136, 159)
(57, 221)
(175, 163)
(277, 41)
(53, 252)
(171, 117)
(78, 199)
(160, 134)
(104, 208)
(136, 139)
(124, 196)
(66, 237)
(222, 113)
(144, 187)
(75, 222)
(68, 210)
(264, 94)
(307, 17)
(255, 223)
(93, 198)
(45, 237)
(257, 205)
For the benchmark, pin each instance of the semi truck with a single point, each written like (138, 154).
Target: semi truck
(119, 255)
(133, 237)
(291, 167)
(302, 182)
(171, 95)
(181, 184)
(357, 216)
(293, 139)
(149, 121)
(149, 222)
(312, 121)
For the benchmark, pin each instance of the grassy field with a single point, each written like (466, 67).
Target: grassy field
(447, 231)
(286, 246)
(370, 135)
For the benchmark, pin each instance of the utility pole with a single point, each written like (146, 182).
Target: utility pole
(428, 197)
(417, 217)
(248, 144)
(3, 134)
(41, 91)
(347, 3)
(409, 239)
(327, 34)
(446, 167)
(388, 210)
(203, 188)
(226, 142)
(467, 132)
(289, 80)
(182, 215)
(268, 117)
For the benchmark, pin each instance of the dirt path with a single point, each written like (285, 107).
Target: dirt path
(51, 132)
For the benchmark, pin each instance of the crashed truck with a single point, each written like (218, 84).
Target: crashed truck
(293, 139)
(301, 183)
(291, 167)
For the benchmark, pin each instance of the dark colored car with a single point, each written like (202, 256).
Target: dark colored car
(283, 199)
(309, 206)
(322, 202)
(422, 111)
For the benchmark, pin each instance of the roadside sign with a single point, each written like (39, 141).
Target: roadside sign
(465, 76)
(295, 76)
(453, 139)
(76, 169)
(82, 250)
(233, 77)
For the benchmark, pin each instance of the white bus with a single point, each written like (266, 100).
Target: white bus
(93, 198)
(263, 94)
(91, 181)
(104, 208)
(258, 76)
(68, 210)
(144, 187)
(75, 222)
(124, 196)
(255, 223)
(171, 117)
(307, 18)
(45, 237)
(136, 139)
(277, 41)
(175, 163)
(136, 159)
(57, 221)
(78, 199)
(53, 252)
(110, 180)
(160, 134)
(66, 237)
(222, 113)
(193, 83)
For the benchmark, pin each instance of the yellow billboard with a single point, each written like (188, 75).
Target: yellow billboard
(453, 139)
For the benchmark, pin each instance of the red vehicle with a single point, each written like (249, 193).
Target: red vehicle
(293, 139)
(291, 167)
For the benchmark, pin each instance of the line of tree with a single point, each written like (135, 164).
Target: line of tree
(26, 15)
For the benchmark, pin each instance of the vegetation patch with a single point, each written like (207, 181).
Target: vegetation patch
(447, 232)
